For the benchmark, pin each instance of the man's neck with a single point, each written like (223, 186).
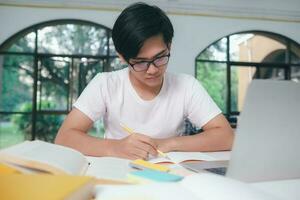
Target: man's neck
(144, 91)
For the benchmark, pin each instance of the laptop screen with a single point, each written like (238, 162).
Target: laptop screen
(266, 145)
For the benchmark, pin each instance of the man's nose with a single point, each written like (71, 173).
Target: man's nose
(152, 69)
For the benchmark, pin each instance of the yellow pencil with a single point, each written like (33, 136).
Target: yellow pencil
(127, 129)
(130, 131)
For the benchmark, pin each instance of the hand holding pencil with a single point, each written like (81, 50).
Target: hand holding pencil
(134, 146)
(131, 132)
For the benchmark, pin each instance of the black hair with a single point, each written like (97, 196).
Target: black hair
(137, 23)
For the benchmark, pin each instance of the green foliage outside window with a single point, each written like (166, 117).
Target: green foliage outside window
(46, 125)
(213, 75)
(66, 55)
(213, 79)
(14, 91)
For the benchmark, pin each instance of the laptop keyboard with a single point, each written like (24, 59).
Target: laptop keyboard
(220, 170)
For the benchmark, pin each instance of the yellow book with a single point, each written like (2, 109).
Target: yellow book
(38, 157)
(5, 170)
(45, 187)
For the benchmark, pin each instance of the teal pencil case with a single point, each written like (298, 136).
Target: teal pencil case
(147, 175)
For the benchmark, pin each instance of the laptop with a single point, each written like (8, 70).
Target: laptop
(216, 167)
(267, 142)
(267, 139)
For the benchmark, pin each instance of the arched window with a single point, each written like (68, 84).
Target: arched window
(43, 69)
(227, 66)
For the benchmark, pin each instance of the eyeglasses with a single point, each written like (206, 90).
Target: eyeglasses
(144, 65)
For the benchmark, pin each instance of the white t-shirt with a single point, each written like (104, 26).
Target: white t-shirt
(111, 96)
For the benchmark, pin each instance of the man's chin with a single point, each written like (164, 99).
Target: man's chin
(153, 82)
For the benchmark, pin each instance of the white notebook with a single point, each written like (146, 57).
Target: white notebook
(178, 157)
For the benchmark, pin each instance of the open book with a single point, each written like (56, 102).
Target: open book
(37, 156)
(194, 187)
(178, 157)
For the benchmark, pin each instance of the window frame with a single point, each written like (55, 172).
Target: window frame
(232, 115)
(37, 56)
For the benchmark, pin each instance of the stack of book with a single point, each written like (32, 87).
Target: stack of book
(40, 170)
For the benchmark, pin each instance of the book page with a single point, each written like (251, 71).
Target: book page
(177, 157)
(219, 155)
(45, 156)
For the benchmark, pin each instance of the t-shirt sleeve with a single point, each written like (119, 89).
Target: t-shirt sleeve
(92, 101)
(200, 106)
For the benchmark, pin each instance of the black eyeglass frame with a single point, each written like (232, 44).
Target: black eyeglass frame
(150, 62)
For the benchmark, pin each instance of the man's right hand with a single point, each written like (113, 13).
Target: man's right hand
(134, 146)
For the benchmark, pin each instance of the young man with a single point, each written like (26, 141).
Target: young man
(144, 97)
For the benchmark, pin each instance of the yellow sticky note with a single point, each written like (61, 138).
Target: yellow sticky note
(142, 164)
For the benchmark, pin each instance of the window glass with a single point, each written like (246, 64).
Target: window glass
(69, 53)
(216, 51)
(53, 83)
(97, 129)
(14, 129)
(72, 39)
(16, 82)
(295, 73)
(23, 43)
(295, 54)
(112, 50)
(255, 47)
(116, 64)
(252, 55)
(213, 78)
(241, 77)
(47, 126)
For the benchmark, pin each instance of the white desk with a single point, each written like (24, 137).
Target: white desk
(283, 189)
(116, 168)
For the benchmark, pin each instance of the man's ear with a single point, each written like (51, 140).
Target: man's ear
(169, 46)
(123, 61)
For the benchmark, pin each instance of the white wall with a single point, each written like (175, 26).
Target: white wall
(192, 33)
